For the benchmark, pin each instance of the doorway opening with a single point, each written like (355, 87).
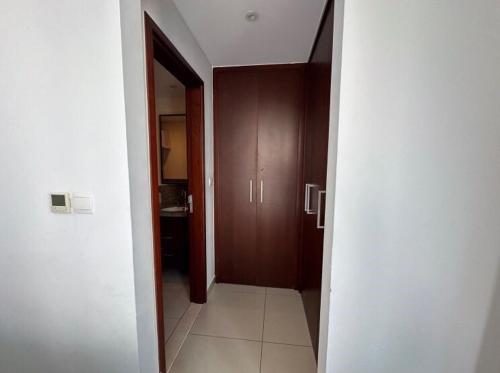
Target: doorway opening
(176, 147)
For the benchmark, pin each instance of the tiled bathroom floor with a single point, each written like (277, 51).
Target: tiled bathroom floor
(248, 329)
(175, 299)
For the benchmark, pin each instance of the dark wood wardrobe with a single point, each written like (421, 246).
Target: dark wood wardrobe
(258, 114)
(316, 128)
(271, 145)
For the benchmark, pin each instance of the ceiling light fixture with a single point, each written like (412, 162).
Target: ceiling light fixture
(251, 16)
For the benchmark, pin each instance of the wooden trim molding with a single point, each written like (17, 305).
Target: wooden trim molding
(159, 48)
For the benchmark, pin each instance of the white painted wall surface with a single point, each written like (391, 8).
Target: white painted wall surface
(66, 281)
(416, 243)
(131, 19)
(168, 18)
(171, 105)
(324, 357)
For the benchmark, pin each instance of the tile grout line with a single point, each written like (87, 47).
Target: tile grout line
(175, 326)
(286, 344)
(193, 306)
(255, 292)
(262, 335)
(249, 340)
(223, 337)
(178, 319)
(177, 323)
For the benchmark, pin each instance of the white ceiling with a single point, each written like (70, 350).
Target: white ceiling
(284, 31)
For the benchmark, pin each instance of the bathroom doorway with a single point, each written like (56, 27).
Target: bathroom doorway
(176, 143)
(170, 104)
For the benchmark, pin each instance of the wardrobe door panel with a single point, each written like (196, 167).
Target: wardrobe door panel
(318, 78)
(236, 150)
(279, 125)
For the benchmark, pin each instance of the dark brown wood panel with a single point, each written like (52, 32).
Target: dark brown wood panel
(279, 126)
(235, 165)
(318, 77)
(258, 119)
(196, 188)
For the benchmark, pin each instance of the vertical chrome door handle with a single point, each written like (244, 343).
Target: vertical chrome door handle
(307, 202)
(262, 191)
(190, 203)
(251, 190)
(318, 218)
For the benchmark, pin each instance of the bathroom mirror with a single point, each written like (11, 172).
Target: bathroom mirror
(173, 148)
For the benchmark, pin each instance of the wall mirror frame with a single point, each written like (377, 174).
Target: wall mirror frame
(165, 149)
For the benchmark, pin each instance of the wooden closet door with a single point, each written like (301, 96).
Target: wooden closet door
(318, 78)
(236, 153)
(279, 126)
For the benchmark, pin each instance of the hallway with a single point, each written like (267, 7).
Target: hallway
(248, 329)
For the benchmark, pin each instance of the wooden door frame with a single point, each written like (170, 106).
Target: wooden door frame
(161, 49)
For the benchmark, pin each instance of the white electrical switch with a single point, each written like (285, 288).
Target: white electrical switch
(82, 204)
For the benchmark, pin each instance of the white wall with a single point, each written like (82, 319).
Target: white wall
(171, 105)
(324, 355)
(140, 191)
(66, 281)
(168, 18)
(416, 243)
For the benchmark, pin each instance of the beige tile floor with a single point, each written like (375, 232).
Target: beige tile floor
(248, 329)
(175, 300)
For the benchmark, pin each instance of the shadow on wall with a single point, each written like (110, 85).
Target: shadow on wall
(30, 351)
(489, 355)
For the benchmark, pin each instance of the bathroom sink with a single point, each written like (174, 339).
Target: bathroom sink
(174, 209)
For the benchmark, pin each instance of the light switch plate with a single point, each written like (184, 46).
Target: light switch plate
(82, 203)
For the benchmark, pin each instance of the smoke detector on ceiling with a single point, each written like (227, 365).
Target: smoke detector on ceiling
(251, 16)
